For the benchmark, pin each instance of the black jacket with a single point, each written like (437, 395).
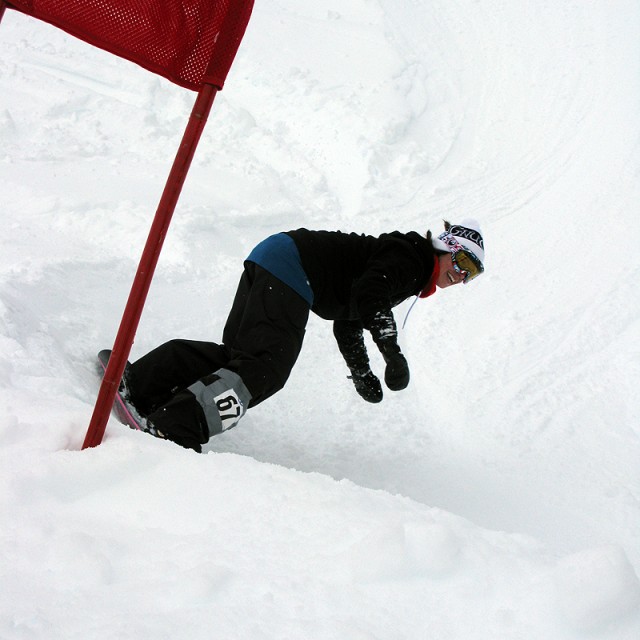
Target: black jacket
(357, 276)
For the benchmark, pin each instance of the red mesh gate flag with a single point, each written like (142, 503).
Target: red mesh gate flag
(190, 42)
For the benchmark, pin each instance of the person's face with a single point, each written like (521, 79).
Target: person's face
(448, 275)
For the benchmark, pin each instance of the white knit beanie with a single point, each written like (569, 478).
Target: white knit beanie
(467, 233)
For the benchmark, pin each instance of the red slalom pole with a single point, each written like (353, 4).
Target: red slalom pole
(146, 267)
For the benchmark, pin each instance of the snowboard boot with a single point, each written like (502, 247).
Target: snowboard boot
(211, 405)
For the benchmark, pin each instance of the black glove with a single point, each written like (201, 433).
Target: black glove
(385, 335)
(367, 385)
(396, 373)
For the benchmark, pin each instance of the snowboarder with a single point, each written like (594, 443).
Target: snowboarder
(188, 391)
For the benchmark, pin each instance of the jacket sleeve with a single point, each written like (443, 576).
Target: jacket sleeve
(385, 335)
(391, 275)
(350, 339)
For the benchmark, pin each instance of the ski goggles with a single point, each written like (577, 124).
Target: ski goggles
(465, 262)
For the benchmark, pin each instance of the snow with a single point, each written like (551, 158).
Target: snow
(498, 497)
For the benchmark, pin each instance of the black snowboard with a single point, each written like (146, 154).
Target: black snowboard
(123, 410)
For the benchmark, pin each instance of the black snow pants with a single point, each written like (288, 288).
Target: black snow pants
(191, 390)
